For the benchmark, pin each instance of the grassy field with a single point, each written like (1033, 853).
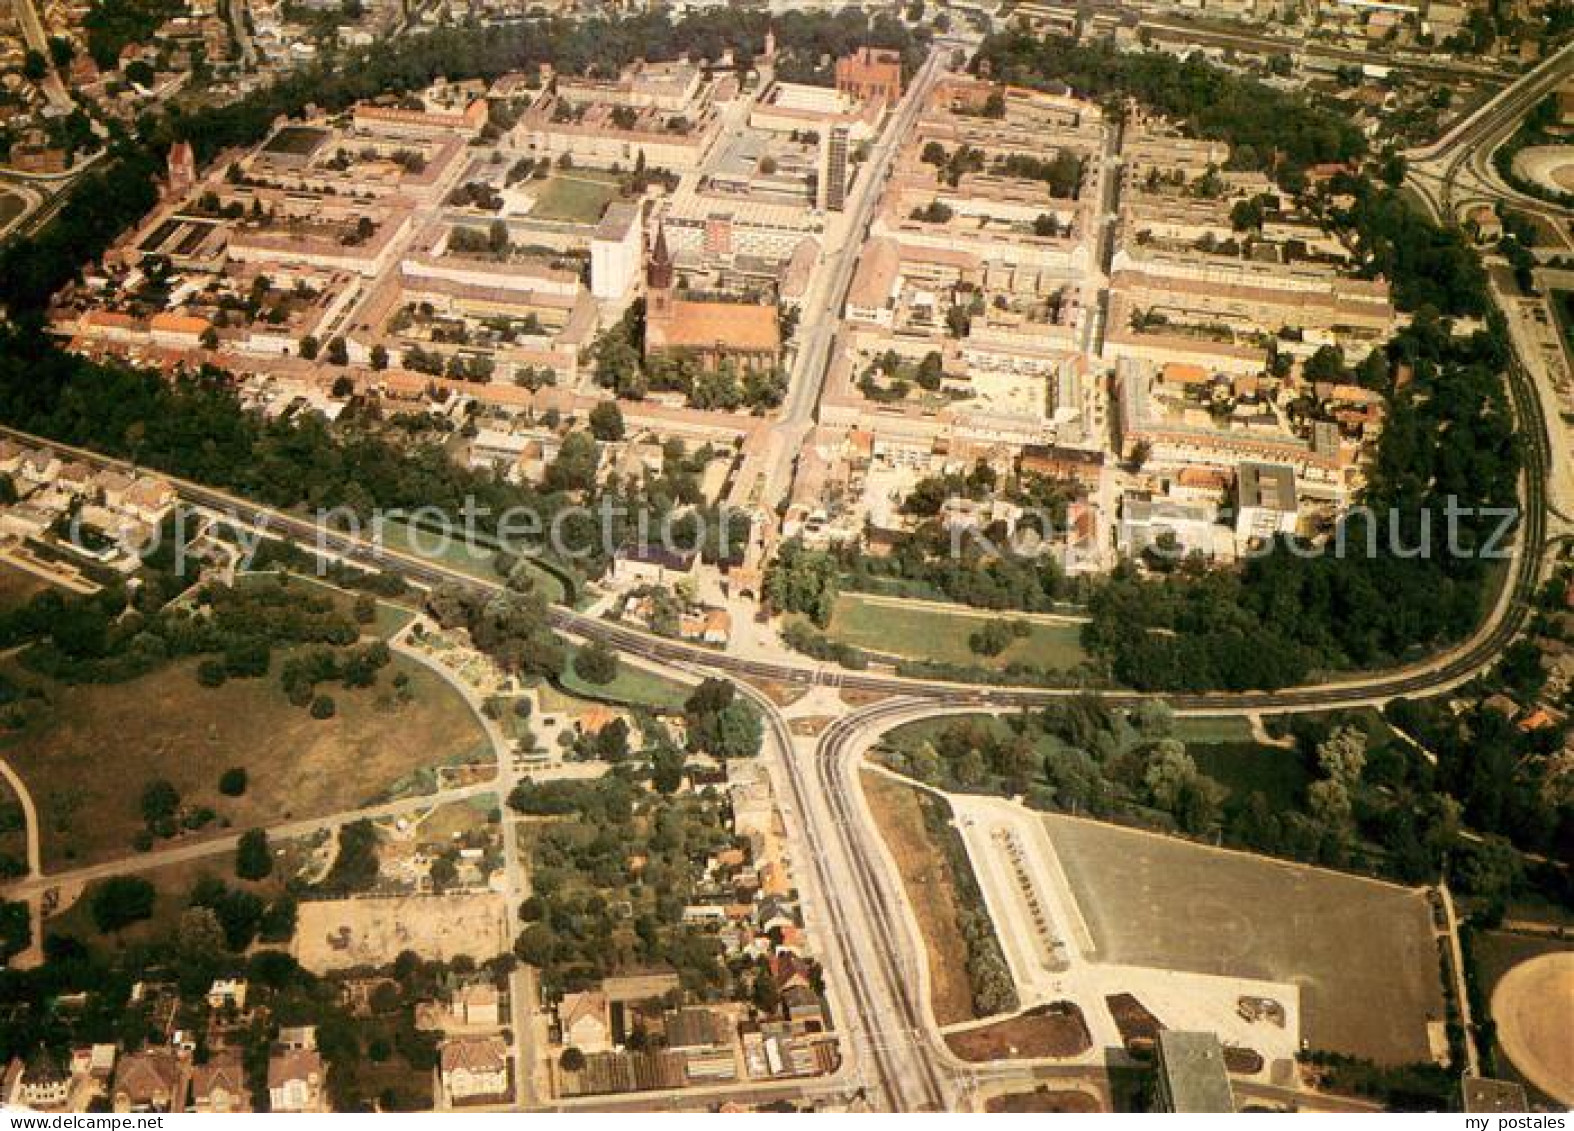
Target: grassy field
(931, 890)
(473, 561)
(1247, 767)
(577, 196)
(86, 752)
(1221, 728)
(1362, 953)
(13, 824)
(634, 686)
(11, 207)
(924, 632)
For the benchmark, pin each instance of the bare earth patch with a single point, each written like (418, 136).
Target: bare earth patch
(931, 890)
(1139, 1029)
(1533, 1006)
(1053, 1030)
(782, 694)
(1045, 1100)
(809, 728)
(337, 934)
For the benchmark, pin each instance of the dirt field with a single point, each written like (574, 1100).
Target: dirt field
(1139, 1029)
(931, 891)
(1362, 952)
(87, 754)
(1054, 1030)
(1533, 1006)
(18, 587)
(337, 934)
(1044, 1100)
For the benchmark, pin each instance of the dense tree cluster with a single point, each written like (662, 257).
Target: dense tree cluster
(722, 723)
(511, 627)
(1502, 781)
(354, 867)
(110, 636)
(1349, 794)
(195, 427)
(112, 24)
(1428, 267)
(626, 847)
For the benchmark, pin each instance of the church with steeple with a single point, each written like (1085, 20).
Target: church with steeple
(743, 333)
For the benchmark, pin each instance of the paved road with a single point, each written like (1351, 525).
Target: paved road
(1461, 158)
(187, 850)
(38, 40)
(822, 315)
(905, 1059)
(1437, 673)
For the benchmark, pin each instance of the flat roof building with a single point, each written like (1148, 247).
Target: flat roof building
(1485, 1095)
(1192, 1077)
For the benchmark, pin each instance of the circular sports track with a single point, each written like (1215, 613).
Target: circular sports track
(1533, 1006)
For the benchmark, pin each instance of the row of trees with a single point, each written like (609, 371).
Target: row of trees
(1349, 794)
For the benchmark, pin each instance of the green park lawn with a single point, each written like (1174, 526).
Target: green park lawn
(473, 561)
(634, 686)
(923, 632)
(575, 196)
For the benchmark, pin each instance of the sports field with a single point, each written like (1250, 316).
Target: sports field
(1533, 1006)
(1362, 952)
(575, 196)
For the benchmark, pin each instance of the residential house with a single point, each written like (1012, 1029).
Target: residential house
(39, 1082)
(295, 1080)
(150, 500)
(477, 1004)
(152, 1080)
(227, 991)
(475, 1068)
(220, 1084)
(585, 1021)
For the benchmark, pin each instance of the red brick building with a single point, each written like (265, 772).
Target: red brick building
(871, 74)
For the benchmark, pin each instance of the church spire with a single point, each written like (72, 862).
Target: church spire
(658, 276)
